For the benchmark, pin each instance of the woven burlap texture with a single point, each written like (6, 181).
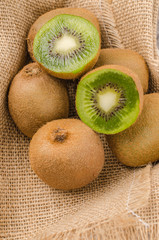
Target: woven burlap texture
(122, 203)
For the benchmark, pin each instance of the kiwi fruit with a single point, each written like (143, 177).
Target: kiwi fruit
(139, 144)
(35, 98)
(109, 99)
(66, 154)
(65, 42)
(127, 58)
(81, 12)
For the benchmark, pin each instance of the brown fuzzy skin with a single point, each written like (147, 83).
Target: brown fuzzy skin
(81, 12)
(127, 58)
(109, 1)
(66, 154)
(127, 71)
(139, 144)
(36, 98)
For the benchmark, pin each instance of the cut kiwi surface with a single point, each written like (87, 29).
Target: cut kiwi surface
(109, 99)
(66, 44)
(81, 12)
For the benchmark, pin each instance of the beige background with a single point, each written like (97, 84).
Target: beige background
(122, 203)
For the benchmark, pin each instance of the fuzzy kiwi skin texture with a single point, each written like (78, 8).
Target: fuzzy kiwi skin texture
(139, 144)
(66, 154)
(127, 58)
(35, 98)
(81, 12)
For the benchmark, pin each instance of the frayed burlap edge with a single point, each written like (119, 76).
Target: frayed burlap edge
(106, 231)
(124, 222)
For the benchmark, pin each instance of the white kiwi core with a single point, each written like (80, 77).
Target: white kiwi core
(65, 44)
(107, 100)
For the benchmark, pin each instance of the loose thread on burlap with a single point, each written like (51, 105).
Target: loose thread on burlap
(113, 38)
(127, 204)
(100, 6)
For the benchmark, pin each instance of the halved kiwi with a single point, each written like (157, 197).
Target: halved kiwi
(67, 45)
(109, 99)
(127, 58)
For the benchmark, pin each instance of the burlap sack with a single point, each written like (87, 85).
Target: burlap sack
(123, 203)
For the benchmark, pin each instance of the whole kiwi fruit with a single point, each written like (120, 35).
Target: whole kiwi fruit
(65, 42)
(127, 58)
(35, 98)
(66, 154)
(139, 144)
(109, 99)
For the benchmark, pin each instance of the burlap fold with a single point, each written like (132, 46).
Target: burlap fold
(122, 203)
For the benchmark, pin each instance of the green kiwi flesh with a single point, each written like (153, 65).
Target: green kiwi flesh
(108, 99)
(35, 98)
(66, 44)
(139, 144)
(66, 154)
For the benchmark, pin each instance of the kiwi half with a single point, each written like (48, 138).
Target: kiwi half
(127, 58)
(81, 12)
(66, 154)
(35, 98)
(139, 144)
(109, 99)
(67, 45)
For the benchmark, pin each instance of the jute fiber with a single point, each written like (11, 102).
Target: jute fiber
(122, 203)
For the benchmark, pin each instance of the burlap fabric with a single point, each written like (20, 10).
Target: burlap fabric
(123, 203)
